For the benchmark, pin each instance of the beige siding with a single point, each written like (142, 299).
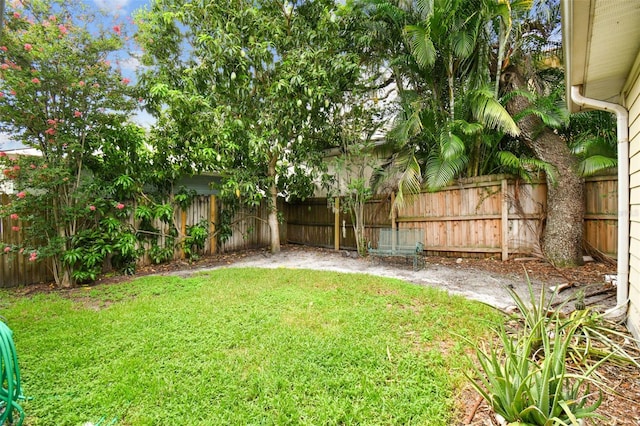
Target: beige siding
(633, 104)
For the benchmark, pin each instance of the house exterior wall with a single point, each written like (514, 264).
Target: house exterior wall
(632, 102)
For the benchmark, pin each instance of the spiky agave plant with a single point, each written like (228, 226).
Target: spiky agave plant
(592, 336)
(529, 386)
(525, 379)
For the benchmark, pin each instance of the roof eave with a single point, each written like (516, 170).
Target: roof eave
(575, 45)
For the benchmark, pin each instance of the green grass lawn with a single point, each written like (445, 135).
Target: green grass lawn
(244, 346)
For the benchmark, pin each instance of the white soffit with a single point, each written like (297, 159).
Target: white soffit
(612, 31)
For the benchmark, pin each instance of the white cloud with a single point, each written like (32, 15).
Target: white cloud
(144, 119)
(129, 64)
(112, 6)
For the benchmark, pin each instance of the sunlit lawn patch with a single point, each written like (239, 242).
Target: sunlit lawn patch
(244, 346)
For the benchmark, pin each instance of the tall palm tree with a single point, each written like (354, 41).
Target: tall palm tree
(531, 82)
(444, 121)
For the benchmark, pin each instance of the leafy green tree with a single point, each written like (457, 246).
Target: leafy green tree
(245, 88)
(60, 94)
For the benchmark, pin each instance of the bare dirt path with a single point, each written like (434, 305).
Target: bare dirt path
(484, 280)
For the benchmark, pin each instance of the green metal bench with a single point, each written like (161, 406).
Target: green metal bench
(405, 243)
(10, 391)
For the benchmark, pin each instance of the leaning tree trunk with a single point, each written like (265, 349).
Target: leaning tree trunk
(563, 232)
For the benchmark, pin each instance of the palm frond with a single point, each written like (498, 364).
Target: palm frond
(491, 113)
(549, 109)
(524, 167)
(587, 145)
(468, 128)
(515, 93)
(422, 46)
(509, 159)
(548, 119)
(463, 44)
(424, 8)
(451, 146)
(440, 172)
(410, 181)
(407, 123)
(596, 163)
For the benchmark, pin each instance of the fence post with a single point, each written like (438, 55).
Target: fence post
(394, 214)
(183, 230)
(505, 220)
(336, 224)
(213, 219)
(394, 225)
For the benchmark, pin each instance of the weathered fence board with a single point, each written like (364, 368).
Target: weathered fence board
(486, 215)
(250, 229)
(316, 222)
(601, 213)
(15, 269)
(198, 212)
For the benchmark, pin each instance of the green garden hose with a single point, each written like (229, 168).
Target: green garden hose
(10, 391)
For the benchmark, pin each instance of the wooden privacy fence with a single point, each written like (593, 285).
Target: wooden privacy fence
(317, 222)
(601, 214)
(250, 231)
(203, 209)
(486, 216)
(17, 269)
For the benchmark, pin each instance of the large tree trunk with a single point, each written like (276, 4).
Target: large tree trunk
(272, 218)
(563, 232)
(62, 273)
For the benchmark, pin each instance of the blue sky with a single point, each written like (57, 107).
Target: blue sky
(121, 11)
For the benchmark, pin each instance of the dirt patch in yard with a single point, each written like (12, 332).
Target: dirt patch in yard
(484, 280)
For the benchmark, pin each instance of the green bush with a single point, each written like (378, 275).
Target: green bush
(195, 239)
